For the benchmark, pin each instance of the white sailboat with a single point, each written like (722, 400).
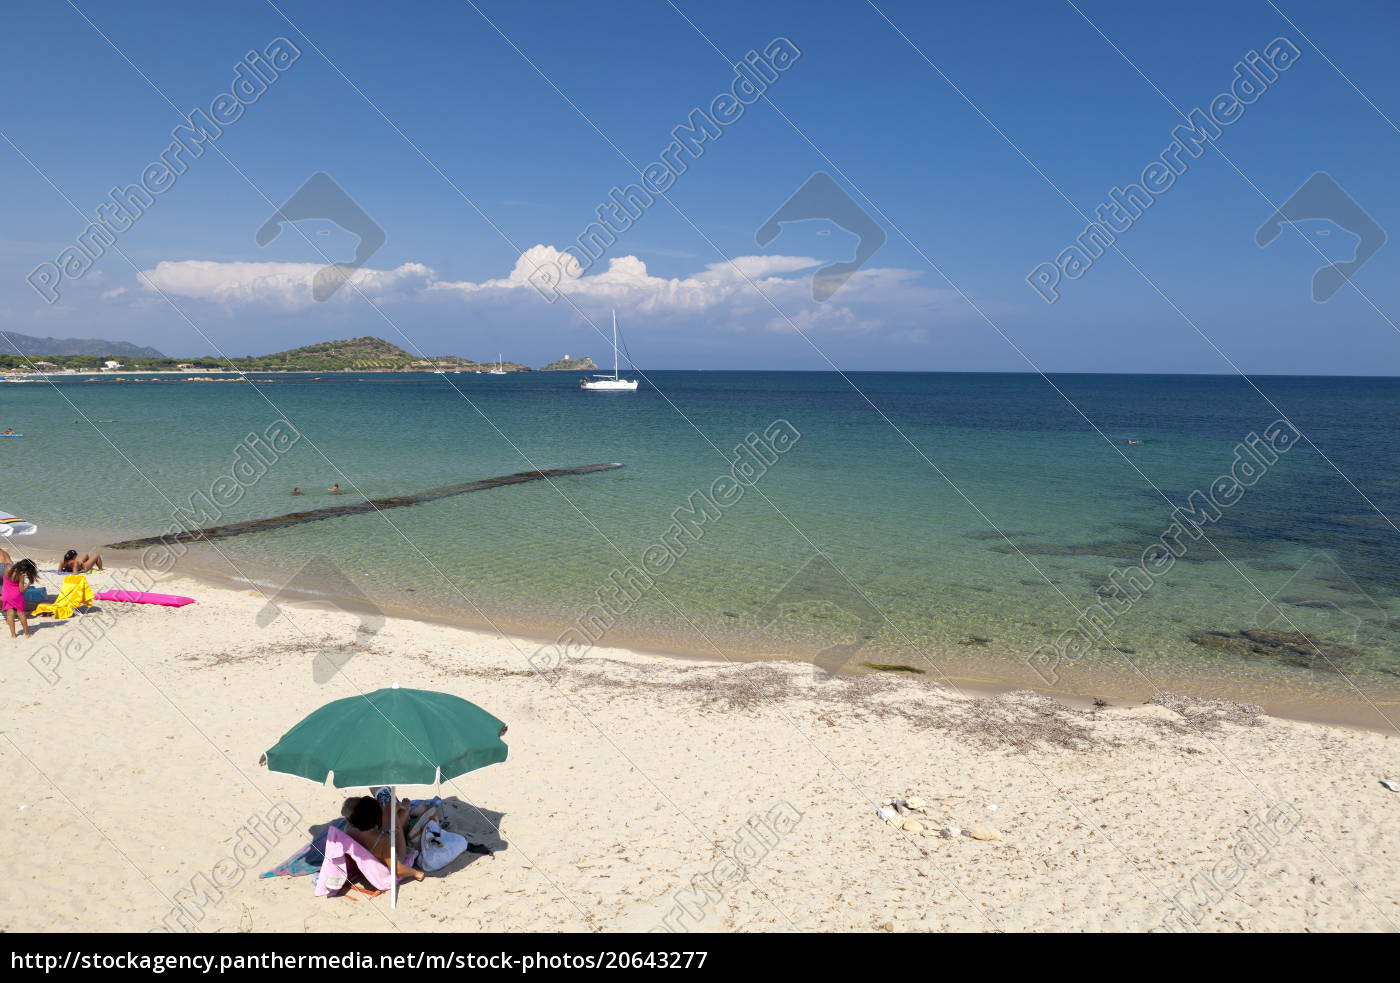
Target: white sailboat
(601, 381)
(498, 370)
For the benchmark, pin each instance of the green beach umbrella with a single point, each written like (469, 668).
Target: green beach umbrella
(390, 737)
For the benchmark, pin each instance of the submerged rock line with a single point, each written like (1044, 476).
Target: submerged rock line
(350, 508)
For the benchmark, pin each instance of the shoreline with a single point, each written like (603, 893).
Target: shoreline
(119, 375)
(630, 775)
(960, 673)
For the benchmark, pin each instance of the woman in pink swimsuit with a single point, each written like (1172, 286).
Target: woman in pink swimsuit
(16, 578)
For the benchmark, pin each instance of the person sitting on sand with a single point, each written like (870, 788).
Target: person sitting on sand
(73, 563)
(335, 489)
(367, 822)
(17, 576)
(423, 811)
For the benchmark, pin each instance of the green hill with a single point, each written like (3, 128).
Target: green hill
(351, 353)
(366, 354)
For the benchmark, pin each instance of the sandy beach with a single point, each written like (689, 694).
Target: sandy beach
(647, 793)
(907, 507)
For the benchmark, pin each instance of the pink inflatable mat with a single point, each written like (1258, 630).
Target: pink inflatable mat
(144, 597)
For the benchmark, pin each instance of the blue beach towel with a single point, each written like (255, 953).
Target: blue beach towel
(308, 859)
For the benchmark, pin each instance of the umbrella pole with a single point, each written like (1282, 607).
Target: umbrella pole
(393, 849)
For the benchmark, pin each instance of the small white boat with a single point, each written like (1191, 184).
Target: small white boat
(601, 381)
(498, 370)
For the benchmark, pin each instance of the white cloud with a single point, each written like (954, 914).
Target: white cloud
(284, 285)
(755, 267)
(825, 319)
(627, 281)
(723, 291)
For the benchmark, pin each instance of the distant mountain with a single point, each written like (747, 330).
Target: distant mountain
(29, 345)
(366, 354)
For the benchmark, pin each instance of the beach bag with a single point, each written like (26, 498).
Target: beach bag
(34, 596)
(438, 847)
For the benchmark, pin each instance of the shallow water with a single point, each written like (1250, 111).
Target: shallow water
(979, 529)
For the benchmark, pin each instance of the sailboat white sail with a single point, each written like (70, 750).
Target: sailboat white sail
(498, 370)
(601, 381)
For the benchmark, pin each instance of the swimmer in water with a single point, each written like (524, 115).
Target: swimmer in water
(335, 489)
(296, 491)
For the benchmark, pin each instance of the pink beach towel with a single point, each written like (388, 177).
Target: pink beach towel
(344, 858)
(144, 597)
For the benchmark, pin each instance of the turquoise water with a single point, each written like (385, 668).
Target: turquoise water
(951, 590)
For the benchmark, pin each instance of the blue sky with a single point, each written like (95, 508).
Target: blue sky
(690, 283)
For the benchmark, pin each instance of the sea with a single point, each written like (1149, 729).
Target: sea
(1111, 536)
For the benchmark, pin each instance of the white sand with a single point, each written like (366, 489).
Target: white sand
(136, 771)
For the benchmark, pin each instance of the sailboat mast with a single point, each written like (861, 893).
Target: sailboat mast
(614, 314)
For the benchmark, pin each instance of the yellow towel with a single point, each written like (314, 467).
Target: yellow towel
(75, 593)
